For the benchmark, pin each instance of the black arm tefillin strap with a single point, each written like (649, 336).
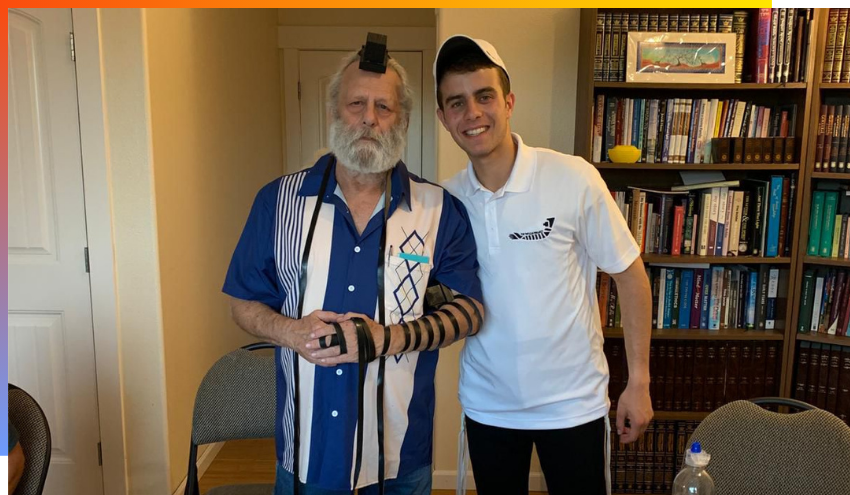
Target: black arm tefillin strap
(365, 342)
(452, 319)
(430, 331)
(474, 305)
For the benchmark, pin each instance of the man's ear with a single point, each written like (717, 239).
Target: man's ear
(510, 100)
(442, 117)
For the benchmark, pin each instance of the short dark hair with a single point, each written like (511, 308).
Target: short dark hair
(471, 62)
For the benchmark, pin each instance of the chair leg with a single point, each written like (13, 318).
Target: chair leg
(192, 487)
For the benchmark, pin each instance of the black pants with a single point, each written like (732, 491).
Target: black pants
(573, 459)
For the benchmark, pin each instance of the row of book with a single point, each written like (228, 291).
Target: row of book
(836, 60)
(824, 306)
(753, 150)
(822, 377)
(650, 464)
(680, 130)
(748, 217)
(780, 40)
(829, 222)
(703, 297)
(775, 51)
(831, 153)
(700, 375)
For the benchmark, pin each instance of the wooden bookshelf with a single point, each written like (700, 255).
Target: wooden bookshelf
(661, 176)
(824, 338)
(817, 260)
(715, 260)
(810, 179)
(703, 334)
(697, 166)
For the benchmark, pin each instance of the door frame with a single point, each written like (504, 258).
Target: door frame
(291, 39)
(93, 140)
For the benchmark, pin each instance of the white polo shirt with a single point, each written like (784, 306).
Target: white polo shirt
(537, 362)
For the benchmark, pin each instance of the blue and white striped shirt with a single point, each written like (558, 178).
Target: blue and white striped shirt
(424, 220)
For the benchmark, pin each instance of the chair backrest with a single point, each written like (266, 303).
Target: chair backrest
(236, 399)
(757, 452)
(34, 435)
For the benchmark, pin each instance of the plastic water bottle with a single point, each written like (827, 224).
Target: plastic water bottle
(693, 478)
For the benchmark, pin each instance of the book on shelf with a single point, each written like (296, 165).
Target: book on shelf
(831, 148)
(771, 45)
(684, 130)
(829, 222)
(700, 296)
(748, 217)
(823, 301)
(822, 377)
(699, 375)
(836, 60)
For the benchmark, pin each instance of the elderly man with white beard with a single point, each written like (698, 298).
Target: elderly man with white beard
(333, 267)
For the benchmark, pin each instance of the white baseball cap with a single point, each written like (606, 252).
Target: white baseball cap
(457, 44)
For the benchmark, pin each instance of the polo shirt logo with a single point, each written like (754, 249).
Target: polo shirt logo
(538, 235)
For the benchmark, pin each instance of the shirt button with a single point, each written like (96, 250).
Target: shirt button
(356, 249)
(338, 372)
(350, 288)
(334, 413)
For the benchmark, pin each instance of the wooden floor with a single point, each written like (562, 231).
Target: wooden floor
(250, 461)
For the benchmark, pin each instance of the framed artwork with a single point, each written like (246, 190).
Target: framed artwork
(681, 58)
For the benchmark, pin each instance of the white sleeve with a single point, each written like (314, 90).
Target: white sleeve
(603, 232)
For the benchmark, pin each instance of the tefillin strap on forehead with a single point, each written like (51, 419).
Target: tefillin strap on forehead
(373, 55)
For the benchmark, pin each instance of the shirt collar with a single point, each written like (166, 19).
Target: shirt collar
(522, 172)
(313, 181)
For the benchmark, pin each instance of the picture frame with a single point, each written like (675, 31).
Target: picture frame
(707, 58)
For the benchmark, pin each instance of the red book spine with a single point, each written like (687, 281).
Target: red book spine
(678, 224)
(763, 48)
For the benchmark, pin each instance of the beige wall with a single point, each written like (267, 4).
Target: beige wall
(134, 230)
(540, 49)
(215, 112)
(357, 17)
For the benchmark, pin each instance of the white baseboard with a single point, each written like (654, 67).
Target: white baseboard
(206, 458)
(447, 480)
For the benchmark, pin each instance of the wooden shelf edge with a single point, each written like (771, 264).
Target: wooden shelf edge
(707, 87)
(696, 166)
(817, 260)
(831, 175)
(703, 334)
(715, 260)
(671, 415)
(824, 338)
(845, 86)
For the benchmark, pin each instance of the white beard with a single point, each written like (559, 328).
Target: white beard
(367, 157)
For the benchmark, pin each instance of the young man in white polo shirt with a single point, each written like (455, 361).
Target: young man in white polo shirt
(543, 222)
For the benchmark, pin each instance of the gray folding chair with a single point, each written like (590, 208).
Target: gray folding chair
(34, 435)
(236, 400)
(760, 452)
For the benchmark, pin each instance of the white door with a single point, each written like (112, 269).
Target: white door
(315, 71)
(51, 347)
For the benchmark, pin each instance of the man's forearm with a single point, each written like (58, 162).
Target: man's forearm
(448, 324)
(261, 321)
(635, 298)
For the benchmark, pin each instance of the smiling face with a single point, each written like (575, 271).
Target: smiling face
(368, 124)
(476, 112)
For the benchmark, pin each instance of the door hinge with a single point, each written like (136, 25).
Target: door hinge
(99, 454)
(299, 90)
(86, 254)
(73, 48)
